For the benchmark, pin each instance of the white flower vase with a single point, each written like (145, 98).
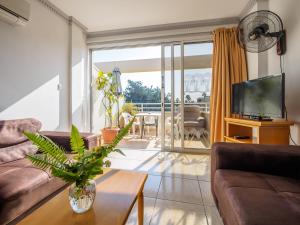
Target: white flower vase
(82, 198)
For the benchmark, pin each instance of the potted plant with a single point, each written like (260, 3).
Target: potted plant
(108, 86)
(130, 108)
(80, 170)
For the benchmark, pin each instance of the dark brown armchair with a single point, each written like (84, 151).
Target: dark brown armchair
(256, 184)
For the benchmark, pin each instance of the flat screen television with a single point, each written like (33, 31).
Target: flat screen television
(263, 97)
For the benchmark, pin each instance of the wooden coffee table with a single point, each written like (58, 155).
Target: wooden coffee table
(117, 192)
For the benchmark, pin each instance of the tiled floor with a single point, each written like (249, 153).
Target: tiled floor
(177, 191)
(150, 141)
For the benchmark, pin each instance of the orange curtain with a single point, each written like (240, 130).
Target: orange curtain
(229, 67)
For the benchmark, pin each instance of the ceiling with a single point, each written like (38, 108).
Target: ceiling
(100, 15)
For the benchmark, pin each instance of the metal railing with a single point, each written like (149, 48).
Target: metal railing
(156, 107)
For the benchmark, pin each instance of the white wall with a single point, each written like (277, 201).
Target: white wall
(79, 78)
(98, 111)
(252, 57)
(288, 11)
(34, 60)
(258, 62)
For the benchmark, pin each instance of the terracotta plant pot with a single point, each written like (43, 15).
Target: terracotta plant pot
(109, 134)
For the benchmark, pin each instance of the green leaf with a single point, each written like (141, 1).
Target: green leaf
(40, 161)
(49, 148)
(107, 163)
(100, 73)
(84, 167)
(123, 132)
(119, 151)
(76, 141)
(95, 171)
(64, 175)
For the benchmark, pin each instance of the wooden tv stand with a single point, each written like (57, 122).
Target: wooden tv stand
(259, 132)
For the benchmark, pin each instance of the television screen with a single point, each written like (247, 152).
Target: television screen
(259, 97)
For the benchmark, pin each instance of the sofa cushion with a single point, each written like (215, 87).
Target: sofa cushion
(23, 187)
(16, 152)
(20, 177)
(11, 131)
(248, 198)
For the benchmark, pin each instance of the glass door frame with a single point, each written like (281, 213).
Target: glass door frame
(182, 103)
(181, 129)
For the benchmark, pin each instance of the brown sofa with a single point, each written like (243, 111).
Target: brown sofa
(22, 186)
(256, 184)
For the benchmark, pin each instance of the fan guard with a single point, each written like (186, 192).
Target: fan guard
(260, 31)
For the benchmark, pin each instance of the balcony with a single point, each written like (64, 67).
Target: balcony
(193, 138)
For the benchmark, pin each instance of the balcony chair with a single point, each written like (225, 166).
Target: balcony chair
(194, 121)
(127, 117)
(149, 121)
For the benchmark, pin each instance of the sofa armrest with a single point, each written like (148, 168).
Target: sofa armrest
(281, 160)
(63, 139)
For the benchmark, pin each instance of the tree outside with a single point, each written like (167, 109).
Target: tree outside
(138, 93)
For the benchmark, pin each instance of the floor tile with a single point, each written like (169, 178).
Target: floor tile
(124, 164)
(145, 143)
(151, 186)
(181, 168)
(148, 212)
(177, 213)
(135, 154)
(206, 193)
(198, 158)
(184, 157)
(182, 190)
(177, 190)
(154, 166)
(168, 155)
(213, 216)
(203, 171)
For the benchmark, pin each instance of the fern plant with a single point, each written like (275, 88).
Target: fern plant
(84, 166)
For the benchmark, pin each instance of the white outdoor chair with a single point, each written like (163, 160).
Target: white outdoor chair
(127, 118)
(149, 121)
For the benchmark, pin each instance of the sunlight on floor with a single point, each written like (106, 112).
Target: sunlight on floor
(136, 142)
(150, 141)
(177, 190)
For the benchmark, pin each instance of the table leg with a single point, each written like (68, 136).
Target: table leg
(156, 126)
(143, 127)
(141, 208)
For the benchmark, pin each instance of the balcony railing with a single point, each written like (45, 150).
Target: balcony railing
(156, 107)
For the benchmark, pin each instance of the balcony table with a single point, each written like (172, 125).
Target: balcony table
(142, 115)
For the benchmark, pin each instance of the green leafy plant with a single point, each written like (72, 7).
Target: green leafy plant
(84, 166)
(130, 108)
(107, 84)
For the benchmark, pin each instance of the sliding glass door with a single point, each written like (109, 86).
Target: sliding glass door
(172, 75)
(140, 79)
(186, 81)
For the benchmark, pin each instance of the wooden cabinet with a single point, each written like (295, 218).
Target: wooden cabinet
(259, 132)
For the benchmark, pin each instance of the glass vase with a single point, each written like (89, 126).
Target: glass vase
(82, 198)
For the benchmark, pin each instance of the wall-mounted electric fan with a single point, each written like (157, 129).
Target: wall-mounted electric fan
(261, 30)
